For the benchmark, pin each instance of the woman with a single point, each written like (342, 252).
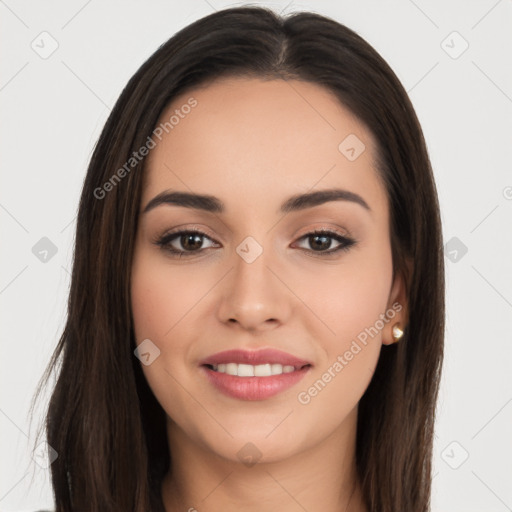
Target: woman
(256, 313)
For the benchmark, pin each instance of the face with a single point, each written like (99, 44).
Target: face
(252, 269)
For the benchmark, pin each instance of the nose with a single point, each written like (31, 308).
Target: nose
(254, 296)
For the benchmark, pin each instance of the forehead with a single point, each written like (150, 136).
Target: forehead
(252, 142)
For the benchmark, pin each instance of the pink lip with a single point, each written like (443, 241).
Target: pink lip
(268, 355)
(254, 388)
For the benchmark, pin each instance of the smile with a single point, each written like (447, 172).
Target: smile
(249, 370)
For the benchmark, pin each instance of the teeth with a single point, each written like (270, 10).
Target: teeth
(245, 370)
(262, 370)
(249, 370)
(276, 369)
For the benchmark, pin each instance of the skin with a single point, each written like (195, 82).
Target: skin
(253, 144)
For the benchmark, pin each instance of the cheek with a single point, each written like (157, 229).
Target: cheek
(351, 301)
(165, 301)
(161, 297)
(350, 298)
(158, 304)
(160, 300)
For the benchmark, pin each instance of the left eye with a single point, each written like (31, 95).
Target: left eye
(320, 241)
(191, 242)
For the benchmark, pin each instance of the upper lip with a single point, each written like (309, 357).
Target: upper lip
(255, 357)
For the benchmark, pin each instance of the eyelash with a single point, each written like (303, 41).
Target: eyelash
(346, 243)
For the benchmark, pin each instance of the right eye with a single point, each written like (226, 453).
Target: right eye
(189, 242)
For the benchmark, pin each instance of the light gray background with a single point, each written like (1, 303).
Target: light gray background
(54, 108)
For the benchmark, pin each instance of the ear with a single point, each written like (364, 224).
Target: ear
(397, 304)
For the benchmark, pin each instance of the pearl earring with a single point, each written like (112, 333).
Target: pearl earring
(397, 332)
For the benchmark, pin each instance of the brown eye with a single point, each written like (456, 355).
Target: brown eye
(182, 242)
(320, 242)
(191, 242)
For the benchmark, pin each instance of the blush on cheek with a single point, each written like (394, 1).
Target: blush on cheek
(354, 308)
(156, 306)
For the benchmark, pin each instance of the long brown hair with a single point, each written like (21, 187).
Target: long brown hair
(103, 420)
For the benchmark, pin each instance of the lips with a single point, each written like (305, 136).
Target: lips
(255, 357)
(249, 385)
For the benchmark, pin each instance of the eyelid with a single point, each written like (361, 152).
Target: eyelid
(325, 228)
(185, 228)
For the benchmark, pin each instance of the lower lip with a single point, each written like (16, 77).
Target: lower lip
(253, 388)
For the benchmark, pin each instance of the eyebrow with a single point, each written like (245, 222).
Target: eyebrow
(213, 204)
